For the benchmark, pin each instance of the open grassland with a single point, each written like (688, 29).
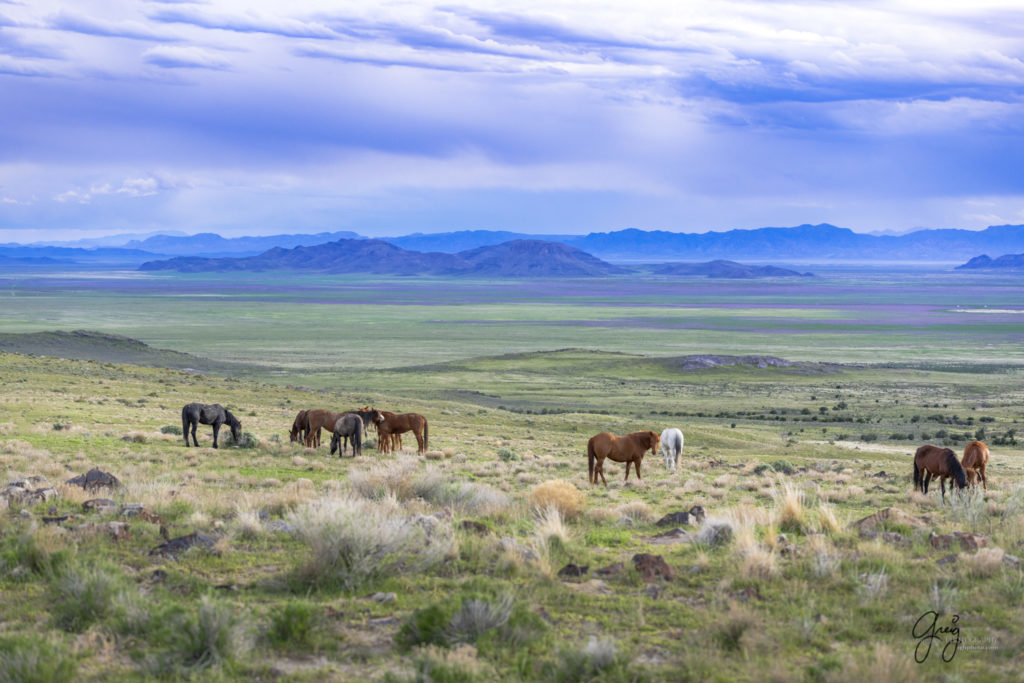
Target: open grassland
(321, 327)
(445, 566)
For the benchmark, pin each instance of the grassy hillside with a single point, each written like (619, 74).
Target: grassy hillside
(362, 568)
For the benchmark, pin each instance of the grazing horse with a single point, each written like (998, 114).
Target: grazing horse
(932, 461)
(975, 461)
(315, 421)
(213, 414)
(298, 432)
(349, 426)
(672, 447)
(389, 424)
(629, 449)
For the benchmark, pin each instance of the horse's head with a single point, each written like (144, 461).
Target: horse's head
(236, 427)
(655, 442)
(376, 416)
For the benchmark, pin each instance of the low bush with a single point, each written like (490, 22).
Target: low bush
(354, 541)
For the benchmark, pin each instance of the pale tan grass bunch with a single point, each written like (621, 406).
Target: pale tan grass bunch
(559, 494)
(827, 521)
(790, 513)
(984, 563)
(638, 511)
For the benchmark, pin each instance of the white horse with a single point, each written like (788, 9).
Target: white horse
(671, 447)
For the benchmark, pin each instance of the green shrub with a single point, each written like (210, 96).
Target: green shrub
(508, 455)
(171, 429)
(26, 554)
(85, 594)
(294, 625)
(31, 659)
(247, 440)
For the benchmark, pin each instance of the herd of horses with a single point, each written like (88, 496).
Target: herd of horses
(933, 461)
(350, 426)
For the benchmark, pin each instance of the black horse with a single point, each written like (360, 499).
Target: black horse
(349, 426)
(195, 414)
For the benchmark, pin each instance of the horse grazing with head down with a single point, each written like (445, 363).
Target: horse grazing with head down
(629, 449)
(316, 420)
(393, 424)
(975, 461)
(672, 447)
(933, 461)
(350, 427)
(215, 414)
(298, 432)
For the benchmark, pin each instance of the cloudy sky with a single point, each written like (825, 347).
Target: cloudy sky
(255, 117)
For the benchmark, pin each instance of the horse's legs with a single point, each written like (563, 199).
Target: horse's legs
(599, 469)
(216, 428)
(420, 447)
(942, 483)
(636, 467)
(924, 482)
(984, 482)
(628, 463)
(194, 439)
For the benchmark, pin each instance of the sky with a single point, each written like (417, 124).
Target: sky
(386, 118)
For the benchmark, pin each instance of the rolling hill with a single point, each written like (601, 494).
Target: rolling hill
(518, 258)
(985, 262)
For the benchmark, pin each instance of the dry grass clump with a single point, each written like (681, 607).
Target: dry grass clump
(879, 664)
(984, 563)
(551, 525)
(790, 513)
(638, 511)
(354, 540)
(559, 494)
(459, 663)
(6, 428)
(825, 559)
(394, 478)
(827, 521)
(755, 560)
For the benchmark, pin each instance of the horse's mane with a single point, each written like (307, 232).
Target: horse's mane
(956, 469)
(230, 419)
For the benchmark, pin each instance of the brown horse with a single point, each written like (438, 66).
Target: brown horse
(315, 421)
(393, 424)
(932, 461)
(629, 449)
(975, 461)
(298, 432)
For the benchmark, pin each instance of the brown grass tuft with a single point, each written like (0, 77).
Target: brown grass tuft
(560, 494)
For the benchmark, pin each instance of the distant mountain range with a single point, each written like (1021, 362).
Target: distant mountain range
(518, 258)
(984, 262)
(805, 243)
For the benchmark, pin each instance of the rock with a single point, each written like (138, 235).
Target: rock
(887, 536)
(625, 521)
(611, 570)
(99, 505)
(881, 474)
(653, 590)
(281, 525)
(95, 479)
(891, 516)
(1012, 561)
(510, 545)
(715, 533)
(117, 530)
(966, 541)
(572, 570)
(384, 597)
(159, 576)
(475, 527)
(948, 559)
(19, 492)
(176, 546)
(695, 515)
(57, 519)
(653, 567)
(672, 537)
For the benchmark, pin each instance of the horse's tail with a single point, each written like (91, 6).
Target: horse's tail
(917, 476)
(956, 470)
(426, 434)
(357, 437)
(591, 457)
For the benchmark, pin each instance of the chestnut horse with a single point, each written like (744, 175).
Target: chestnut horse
(389, 424)
(932, 461)
(298, 432)
(315, 421)
(975, 461)
(629, 449)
